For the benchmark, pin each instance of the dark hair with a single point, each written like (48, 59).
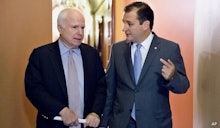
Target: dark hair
(144, 12)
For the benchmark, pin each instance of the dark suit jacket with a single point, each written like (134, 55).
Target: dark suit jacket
(45, 83)
(151, 94)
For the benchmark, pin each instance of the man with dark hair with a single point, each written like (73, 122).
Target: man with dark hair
(143, 69)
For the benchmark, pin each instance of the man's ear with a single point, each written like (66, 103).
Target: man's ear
(60, 28)
(146, 24)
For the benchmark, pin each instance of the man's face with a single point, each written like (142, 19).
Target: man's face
(72, 30)
(133, 30)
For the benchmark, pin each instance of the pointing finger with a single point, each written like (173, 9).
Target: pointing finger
(164, 61)
(167, 63)
(170, 62)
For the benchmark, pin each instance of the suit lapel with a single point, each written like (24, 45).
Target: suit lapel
(85, 58)
(150, 56)
(130, 67)
(55, 58)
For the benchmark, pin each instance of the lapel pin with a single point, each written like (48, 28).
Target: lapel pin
(155, 48)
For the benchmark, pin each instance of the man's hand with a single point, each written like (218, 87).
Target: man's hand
(69, 117)
(92, 120)
(168, 69)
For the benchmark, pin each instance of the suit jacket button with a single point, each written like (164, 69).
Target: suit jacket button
(45, 117)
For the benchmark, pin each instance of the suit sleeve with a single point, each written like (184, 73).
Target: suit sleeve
(100, 94)
(179, 82)
(36, 90)
(111, 89)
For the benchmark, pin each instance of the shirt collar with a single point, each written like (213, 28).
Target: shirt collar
(146, 43)
(64, 49)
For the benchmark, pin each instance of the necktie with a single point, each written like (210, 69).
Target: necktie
(137, 71)
(137, 62)
(73, 89)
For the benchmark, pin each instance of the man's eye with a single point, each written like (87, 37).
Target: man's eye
(130, 24)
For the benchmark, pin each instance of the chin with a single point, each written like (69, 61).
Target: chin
(77, 43)
(129, 39)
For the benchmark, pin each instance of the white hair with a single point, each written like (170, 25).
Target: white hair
(64, 14)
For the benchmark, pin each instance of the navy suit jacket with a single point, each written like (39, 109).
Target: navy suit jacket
(151, 94)
(45, 83)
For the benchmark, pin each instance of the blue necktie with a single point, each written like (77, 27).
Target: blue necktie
(137, 62)
(137, 71)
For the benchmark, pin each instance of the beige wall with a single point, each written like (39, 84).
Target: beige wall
(24, 24)
(118, 24)
(206, 66)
